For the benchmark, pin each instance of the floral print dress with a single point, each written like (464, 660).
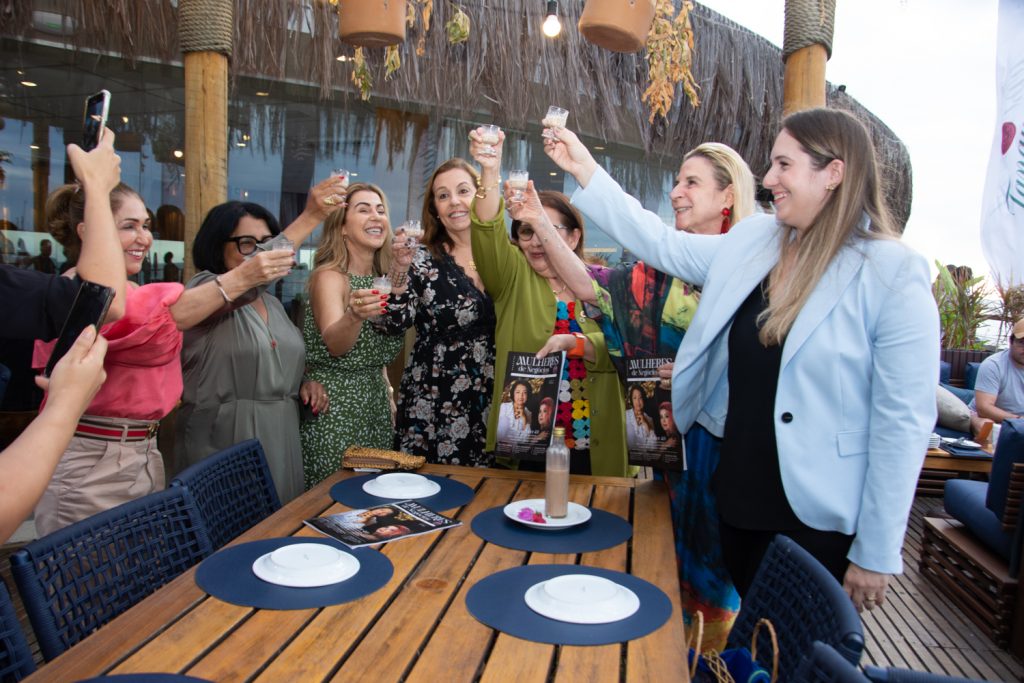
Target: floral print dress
(446, 389)
(360, 409)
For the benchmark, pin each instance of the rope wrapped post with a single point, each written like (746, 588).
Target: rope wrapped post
(806, 46)
(205, 33)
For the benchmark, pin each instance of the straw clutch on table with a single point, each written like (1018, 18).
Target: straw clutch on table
(378, 458)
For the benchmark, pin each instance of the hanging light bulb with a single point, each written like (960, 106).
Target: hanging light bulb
(552, 26)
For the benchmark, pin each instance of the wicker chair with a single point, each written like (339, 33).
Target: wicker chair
(804, 603)
(876, 674)
(79, 578)
(15, 656)
(825, 665)
(233, 490)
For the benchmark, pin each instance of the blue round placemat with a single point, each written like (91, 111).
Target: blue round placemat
(145, 678)
(498, 601)
(453, 494)
(604, 530)
(228, 576)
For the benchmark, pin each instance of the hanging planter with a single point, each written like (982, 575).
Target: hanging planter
(617, 25)
(372, 23)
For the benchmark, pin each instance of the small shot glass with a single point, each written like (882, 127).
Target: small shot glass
(518, 180)
(341, 174)
(489, 137)
(413, 231)
(382, 284)
(555, 118)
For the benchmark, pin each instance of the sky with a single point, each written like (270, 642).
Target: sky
(927, 69)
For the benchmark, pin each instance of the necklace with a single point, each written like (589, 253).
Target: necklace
(564, 285)
(472, 265)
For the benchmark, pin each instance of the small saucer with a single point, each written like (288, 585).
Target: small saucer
(577, 514)
(401, 486)
(582, 599)
(305, 565)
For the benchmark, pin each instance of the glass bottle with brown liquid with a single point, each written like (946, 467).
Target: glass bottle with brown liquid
(556, 477)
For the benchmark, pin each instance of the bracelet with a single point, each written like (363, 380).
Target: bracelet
(577, 352)
(481, 190)
(220, 286)
(398, 279)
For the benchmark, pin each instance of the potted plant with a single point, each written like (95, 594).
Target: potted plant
(963, 308)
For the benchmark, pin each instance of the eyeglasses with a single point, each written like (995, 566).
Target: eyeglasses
(526, 233)
(247, 245)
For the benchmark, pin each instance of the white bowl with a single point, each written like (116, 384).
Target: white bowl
(305, 565)
(401, 485)
(576, 514)
(582, 599)
(961, 443)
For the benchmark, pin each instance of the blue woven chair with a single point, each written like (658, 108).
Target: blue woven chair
(15, 657)
(233, 489)
(77, 579)
(803, 602)
(824, 665)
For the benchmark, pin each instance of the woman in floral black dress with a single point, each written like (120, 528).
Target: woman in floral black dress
(446, 389)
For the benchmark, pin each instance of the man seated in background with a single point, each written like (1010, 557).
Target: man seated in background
(999, 389)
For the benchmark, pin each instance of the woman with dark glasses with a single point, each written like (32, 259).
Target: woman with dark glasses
(244, 366)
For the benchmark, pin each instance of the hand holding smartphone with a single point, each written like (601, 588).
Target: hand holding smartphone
(97, 108)
(89, 308)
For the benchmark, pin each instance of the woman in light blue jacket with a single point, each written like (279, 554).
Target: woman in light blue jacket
(813, 353)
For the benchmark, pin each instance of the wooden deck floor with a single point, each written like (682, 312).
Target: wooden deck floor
(918, 629)
(915, 629)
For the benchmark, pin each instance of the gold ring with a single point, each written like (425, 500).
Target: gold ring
(329, 201)
(359, 302)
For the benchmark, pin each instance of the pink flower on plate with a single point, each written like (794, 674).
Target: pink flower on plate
(525, 514)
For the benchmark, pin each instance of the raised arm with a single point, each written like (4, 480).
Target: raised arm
(487, 204)
(324, 198)
(27, 465)
(566, 263)
(102, 258)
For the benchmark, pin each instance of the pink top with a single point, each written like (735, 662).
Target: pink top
(143, 360)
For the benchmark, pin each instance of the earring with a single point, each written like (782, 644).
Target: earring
(725, 220)
(830, 188)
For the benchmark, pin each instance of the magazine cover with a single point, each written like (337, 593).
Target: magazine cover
(652, 438)
(528, 403)
(381, 524)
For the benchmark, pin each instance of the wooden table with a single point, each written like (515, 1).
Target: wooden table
(417, 627)
(940, 466)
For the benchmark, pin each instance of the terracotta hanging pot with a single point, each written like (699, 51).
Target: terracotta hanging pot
(372, 23)
(617, 25)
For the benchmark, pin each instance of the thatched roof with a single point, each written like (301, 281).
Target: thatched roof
(507, 73)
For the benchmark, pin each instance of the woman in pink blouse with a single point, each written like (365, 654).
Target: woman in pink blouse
(113, 457)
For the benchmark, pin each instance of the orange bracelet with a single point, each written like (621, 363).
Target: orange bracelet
(577, 352)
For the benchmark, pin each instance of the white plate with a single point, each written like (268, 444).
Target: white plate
(582, 599)
(960, 443)
(401, 485)
(577, 514)
(305, 565)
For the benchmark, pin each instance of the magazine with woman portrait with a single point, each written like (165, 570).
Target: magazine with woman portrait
(529, 398)
(381, 524)
(652, 438)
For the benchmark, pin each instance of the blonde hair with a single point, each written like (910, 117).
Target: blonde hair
(332, 252)
(729, 169)
(826, 135)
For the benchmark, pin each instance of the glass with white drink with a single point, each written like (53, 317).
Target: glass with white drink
(413, 232)
(489, 137)
(555, 118)
(517, 180)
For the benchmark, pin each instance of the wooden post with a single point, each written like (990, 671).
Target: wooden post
(206, 142)
(205, 31)
(804, 81)
(807, 45)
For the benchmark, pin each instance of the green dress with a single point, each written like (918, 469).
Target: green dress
(360, 412)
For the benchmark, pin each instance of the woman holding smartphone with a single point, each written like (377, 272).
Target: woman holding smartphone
(113, 457)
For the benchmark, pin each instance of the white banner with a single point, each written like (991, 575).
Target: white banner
(1002, 211)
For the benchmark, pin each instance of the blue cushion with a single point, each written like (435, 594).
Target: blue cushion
(971, 374)
(951, 433)
(965, 395)
(945, 369)
(1009, 450)
(965, 501)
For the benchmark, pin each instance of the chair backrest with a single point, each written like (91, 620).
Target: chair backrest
(1009, 450)
(15, 656)
(233, 490)
(804, 602)
(78, 578)
(824, 665)
(877, 674)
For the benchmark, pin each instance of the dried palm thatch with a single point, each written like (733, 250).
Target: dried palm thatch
(507, 72)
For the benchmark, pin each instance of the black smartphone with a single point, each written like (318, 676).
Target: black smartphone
(89, 308)
(97, 107)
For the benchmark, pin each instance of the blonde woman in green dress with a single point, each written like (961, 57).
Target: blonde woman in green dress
(346, 354)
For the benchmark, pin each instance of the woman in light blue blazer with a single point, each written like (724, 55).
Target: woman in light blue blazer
(813, 353)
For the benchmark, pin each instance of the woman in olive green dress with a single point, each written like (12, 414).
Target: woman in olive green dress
(346, 354)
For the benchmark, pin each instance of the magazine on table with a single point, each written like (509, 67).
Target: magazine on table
(529, 402)
(652, 438)
(381, 523)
